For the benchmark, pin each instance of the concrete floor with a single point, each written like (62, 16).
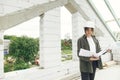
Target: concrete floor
(111, 73)
(53, 73)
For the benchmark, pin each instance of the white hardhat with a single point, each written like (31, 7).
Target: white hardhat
(90, 24)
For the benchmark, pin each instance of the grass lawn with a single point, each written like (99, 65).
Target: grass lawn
(66, 55)
(66, 52)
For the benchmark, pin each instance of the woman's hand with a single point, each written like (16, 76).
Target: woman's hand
(94, 58)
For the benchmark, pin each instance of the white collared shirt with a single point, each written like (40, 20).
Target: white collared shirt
(91, 44)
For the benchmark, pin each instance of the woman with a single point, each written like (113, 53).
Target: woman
(89, 42)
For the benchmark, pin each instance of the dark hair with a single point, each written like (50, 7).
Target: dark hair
(86, 28)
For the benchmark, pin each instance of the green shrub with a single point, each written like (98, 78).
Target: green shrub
(21, 65)
(8, 67)
(66, 44)
(23, 50)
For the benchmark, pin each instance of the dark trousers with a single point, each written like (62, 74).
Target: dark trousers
(89, 76)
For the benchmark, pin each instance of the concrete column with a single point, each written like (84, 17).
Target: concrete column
(1, 56)
(50, 43)
(40, 42)
(77, 32)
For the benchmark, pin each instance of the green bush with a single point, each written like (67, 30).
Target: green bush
(21, 65)
(15, 66)
(8, 67)
(23, 50)
(66, 44)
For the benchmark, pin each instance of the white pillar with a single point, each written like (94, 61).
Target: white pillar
(50, 43)
(77, 32)
(1, 56)
(40, 42)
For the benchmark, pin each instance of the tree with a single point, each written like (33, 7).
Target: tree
(24, 48)
(66, 44)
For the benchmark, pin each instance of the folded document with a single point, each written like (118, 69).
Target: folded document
(87, 53)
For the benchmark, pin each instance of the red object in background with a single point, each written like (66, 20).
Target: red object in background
(37, 61)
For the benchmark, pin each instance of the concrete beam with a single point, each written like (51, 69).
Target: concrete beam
(79, 9)
(15, 18)
(71, 8)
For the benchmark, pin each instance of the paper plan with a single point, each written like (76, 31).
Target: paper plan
(87, 53)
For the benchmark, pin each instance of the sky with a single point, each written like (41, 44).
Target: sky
(31, 28)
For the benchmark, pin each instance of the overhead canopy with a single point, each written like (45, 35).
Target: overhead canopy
(109, 12)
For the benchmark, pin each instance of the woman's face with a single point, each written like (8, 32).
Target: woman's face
(89, 32)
